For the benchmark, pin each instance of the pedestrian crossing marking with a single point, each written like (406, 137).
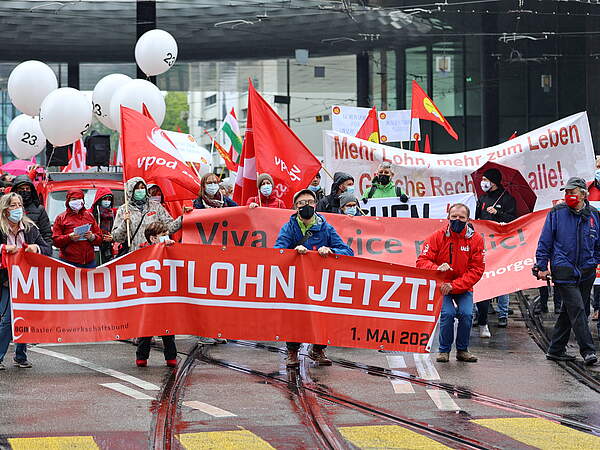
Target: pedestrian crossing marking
(54, 443)
(388, 436)
(223, 440)
(541, 433)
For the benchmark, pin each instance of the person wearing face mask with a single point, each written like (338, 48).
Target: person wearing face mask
(209, 196)
(384, 186)
(315, 186)
(307, 231)
(593, 196)
(570, 244)
(140, 211)
(457, 249)
(342, 182)
(497, 205)
(104, 215)
(16, 231)
(265, 197)
(76, 249)
(23, 186)
(349, 205)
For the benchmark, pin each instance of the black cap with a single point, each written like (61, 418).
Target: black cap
(575, 182)
(304, 191)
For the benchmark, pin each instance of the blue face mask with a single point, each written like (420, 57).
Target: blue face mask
(15, 215)
(597, 175)
(106, 203)
(351, 211)
(266, 189)
(350, 189)
(314, 188)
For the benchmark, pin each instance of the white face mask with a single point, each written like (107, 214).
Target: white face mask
(266, 189)
(156, 198)
(163, 239)
(106, 203)
(211, 188)
(486, 185)
(76, 205)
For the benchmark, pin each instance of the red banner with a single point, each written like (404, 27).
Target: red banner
(510, 248)
(226, 292)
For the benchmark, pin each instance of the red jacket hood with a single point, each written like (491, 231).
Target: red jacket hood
(101, 192)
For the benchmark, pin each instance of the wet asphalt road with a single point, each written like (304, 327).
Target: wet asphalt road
(241, 396)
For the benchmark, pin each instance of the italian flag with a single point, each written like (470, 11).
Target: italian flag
(229, 141)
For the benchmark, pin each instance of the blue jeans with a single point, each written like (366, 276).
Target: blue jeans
(503, 301)
(6, 328)
(464, 313)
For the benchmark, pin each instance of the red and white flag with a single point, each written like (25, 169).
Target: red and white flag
(148, 152)
(77, 160)
(270, 146)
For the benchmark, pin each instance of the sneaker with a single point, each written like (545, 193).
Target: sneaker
(171, 362)
(443, 357)
(141, 362)
(465, 356)
(2, 366)
(560, 357)
(484, 332)
(319, 357)
(292, 359)
(23, 364)
(220, 341)
(207, 341)
(595, 315)
(502, 322)
(590, 359)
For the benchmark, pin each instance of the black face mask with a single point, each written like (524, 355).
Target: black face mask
(306, 212)
(383, 179)
(457, 225)
(26, 196)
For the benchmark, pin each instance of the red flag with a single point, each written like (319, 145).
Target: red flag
(271, 147)
(416, 149)
(512, 136)
(369, 130)
(77, 159)
(427, 148)
(229, 163)
(423, 108)
(149, 153)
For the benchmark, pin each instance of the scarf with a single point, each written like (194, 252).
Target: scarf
(216, 202)
(105, 218)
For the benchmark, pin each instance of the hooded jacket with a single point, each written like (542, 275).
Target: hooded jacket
(502, 201)
(463, 251)
(78, 252)
(570, 242)
(593, 191)
(331, 203)
(323, 234)
(33, 209)
(105, 223)
(148, 213)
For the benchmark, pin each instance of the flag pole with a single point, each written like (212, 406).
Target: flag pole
(127, 222)
(326, 171)
(410, 136)
(258, 193)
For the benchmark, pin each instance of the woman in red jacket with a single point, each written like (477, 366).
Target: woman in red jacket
(68, 232)
(265, 196)
(457, 250)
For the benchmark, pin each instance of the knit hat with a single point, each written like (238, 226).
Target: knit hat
(347, 197)
(262, 177)
(304, 191)
(494, 175)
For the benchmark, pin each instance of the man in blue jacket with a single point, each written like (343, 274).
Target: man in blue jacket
(307, 231)
(570, 242)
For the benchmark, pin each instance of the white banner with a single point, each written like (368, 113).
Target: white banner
(418, 207)
(393, 125)
(546, 157)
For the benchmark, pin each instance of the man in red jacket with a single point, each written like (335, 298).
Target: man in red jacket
(76, 247)
(458, 250)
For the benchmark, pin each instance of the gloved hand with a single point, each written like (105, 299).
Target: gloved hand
(404, 198)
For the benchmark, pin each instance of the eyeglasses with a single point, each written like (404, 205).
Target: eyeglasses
(301, 203)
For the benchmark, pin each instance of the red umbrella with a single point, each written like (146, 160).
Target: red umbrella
(513, 182)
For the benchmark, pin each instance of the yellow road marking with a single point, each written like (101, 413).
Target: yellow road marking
(54, 443)
(541, 433)
(223, 440)
(388, 437)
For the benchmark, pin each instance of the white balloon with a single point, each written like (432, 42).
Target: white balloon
(132, 95)
(65, 116)
(28, 85)
(25, 137)
(103, 92)
(155, 52)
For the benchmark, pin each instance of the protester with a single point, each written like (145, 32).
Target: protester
(594, 196)
(342, 182)
(384, 186)
(349, 205)
(209, 195)
(7, 178)
(570, 243)
(140, 212)
(226, 186)
(104, 212)
(265, 196)
(16, 231)
(156, 233)
(497, 205)
(457, 249)
(315, 186)
(304, 232)
(23, 186)
(75, 244)
(155, 194)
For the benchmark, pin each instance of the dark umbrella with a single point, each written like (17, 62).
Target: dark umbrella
(513, 182)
